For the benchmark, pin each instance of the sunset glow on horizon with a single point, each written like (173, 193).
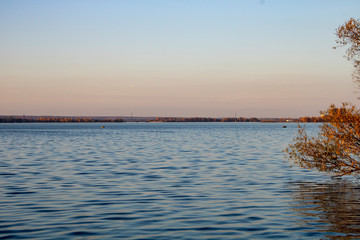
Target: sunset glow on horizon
(173, 58)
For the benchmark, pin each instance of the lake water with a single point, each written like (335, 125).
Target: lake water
(166, 181)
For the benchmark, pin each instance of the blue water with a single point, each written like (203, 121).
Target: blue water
(166, 181)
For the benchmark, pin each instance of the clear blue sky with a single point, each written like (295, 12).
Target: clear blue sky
(173, 58)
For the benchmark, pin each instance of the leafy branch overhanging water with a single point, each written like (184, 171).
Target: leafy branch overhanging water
(336, 148)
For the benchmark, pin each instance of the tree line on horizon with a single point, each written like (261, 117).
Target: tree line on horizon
(18, 119)
(239, 119)
(56, 119)
(204, 119)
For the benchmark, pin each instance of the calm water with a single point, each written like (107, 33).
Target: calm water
(166, 181)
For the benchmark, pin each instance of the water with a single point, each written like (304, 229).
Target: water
(166, 181)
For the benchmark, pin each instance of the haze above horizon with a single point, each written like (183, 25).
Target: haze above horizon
(173, 58)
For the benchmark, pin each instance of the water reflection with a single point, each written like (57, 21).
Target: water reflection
(332, 207)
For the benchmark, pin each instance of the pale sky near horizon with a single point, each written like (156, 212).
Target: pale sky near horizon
(185, 58)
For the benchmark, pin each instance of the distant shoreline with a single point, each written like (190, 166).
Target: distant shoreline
(66, 119)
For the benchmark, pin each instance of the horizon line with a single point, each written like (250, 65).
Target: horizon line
(126, 116)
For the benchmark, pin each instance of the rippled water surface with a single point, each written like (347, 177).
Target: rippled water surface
(166, 181)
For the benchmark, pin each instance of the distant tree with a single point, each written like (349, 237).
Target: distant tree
(336, 148)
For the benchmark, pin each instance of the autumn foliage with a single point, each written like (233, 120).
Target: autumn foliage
(336, 148)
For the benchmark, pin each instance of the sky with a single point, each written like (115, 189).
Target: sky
(180, 58)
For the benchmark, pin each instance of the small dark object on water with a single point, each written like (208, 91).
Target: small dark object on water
(284, 126)
(102, 127)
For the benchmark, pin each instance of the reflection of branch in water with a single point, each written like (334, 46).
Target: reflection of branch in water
(334, 205)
